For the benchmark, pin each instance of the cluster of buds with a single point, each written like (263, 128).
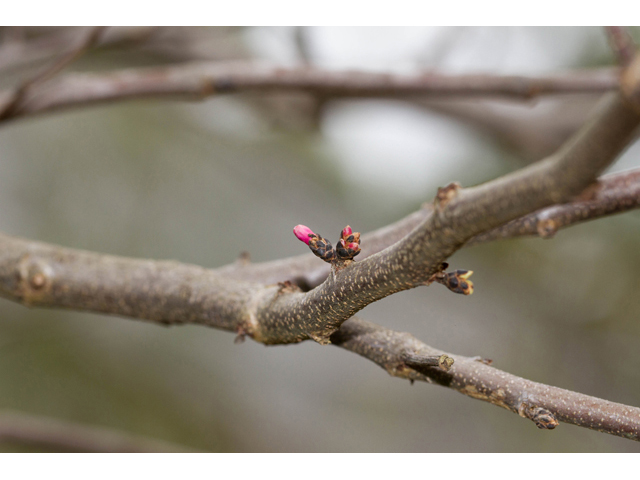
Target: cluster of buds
(348, 246)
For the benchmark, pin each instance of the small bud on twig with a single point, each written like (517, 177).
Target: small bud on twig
(348, 246)
(321, 247)
(446, 194)
(456, 281)
(542, 417)
(303, 233)
(415, 361)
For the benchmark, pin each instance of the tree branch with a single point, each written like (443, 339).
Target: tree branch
(196, 81)
(621, 44)
(543, 404)
(84, 44)
(459, 216)
(169, 292)
(611, 194)
(38, 274)
(53, 434)
(18, 54)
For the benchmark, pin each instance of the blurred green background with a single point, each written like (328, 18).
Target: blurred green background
(177, 180)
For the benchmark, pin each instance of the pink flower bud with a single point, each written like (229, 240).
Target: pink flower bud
(303, 233)
(353, 246)
(346, 231)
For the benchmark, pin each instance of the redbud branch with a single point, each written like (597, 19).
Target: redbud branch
(543, 404)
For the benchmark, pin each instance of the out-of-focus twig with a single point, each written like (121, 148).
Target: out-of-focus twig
(36, 46)
(196, 81)
(622, 44)
(58, 435)
(85, 43)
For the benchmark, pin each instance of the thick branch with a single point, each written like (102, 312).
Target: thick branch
(611, 194)
(169, 292)
(621, 44)
(199, 80)
(458, 217)
(85, 42)
(38, 274)
(471, 376)
(52, 434)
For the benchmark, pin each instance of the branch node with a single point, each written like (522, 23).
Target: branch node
(287, 287)
(542, 417)
(486, 361)
(547, 228)
(35, 278)
(456, 281)
(446, 194)
(417, 362)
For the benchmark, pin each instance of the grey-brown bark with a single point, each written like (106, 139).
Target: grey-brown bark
(59, 435)
(200, 80)
(266, 302)
(543, 404)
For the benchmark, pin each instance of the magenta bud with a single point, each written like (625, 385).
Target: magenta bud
(353, 246)
(346, 231)
(303, 233)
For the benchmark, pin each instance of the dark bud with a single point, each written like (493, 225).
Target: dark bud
(542, 417)
(456, 281)
(322, 248)
(349, 244)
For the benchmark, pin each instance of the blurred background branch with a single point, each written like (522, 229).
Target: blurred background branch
(60, 436)
(199, 81)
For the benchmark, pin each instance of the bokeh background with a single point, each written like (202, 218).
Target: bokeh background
(178, 180)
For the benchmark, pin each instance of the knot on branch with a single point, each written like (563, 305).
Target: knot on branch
(419, 362)
(547, 228)
(456, 281)
(542, 417)
(446, 194)
(348, 245)
(35, 279)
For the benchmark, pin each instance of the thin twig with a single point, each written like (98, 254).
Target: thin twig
(612, 194)
(43, 47)
(196, 81)
(86, 42)
(56, 435)
(543, 404)
(622, 44)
